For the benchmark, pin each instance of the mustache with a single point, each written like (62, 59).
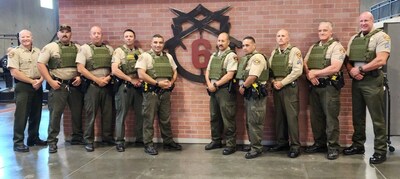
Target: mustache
(65, 36)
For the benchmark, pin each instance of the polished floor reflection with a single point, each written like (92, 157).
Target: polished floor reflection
(192, 162)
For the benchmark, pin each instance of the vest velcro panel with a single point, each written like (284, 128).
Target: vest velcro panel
(359, 48)
(217, 69)
(280, 63)
(161, 67)
(317, 59)
(101, 58)
(67, 57)
(242, 73)
(129, 62)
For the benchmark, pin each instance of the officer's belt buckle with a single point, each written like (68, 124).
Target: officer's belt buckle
(67, 82)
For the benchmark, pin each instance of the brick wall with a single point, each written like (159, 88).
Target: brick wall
(260, 19)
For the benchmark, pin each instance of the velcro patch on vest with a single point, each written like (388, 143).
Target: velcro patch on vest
(130, 56)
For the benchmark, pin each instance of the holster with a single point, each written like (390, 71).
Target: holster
(337, 81)
(84, 84)
(116, 83)
(255, 92)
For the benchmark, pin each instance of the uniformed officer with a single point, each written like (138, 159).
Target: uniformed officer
(28, 92)
(94, 63)
(219, 76)
(158, 71)
(368, 51)
(129, 91)
(253, 75)
(286, 65)
(322, 66)
(64, 81)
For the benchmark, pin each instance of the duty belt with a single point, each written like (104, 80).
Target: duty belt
(17, 81)
(323, 82)
(130, 85)
(67, 82)
(156, 89)
(373, 73)
(292, 85)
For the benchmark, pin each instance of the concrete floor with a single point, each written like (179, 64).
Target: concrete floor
(192, 162)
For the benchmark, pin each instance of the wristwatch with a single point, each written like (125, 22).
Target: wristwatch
(215, 85)
(360, 69)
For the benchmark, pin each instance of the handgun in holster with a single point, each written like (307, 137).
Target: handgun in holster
(84, 84)
(337, 80)
(116, 83)
(231, 86)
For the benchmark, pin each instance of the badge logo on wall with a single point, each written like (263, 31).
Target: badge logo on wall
(198, 26)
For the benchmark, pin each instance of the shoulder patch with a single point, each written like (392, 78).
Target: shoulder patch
(11, 54)
(386, 37)
(235, 58)
(256, 61)
(298, 54)
(114, 53)
(342, 51)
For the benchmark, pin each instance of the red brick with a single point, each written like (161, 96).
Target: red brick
(261, 19)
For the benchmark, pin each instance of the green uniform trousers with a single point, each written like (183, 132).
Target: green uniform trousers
(369, 92)
(286, 102)
(223, 111)
(126, 97)
(160, 105)
(58, 99)
(256, 110)
(325, 107)
(98, 97)
(28, 102)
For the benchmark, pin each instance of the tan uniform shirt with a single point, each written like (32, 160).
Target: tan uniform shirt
(25, 61)
(256, 65)
(335, 52)
(146, 61)
(295, 62)
(119, 56)
(379, 42)
(230, 62)
(52, 50)
(85, 54)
